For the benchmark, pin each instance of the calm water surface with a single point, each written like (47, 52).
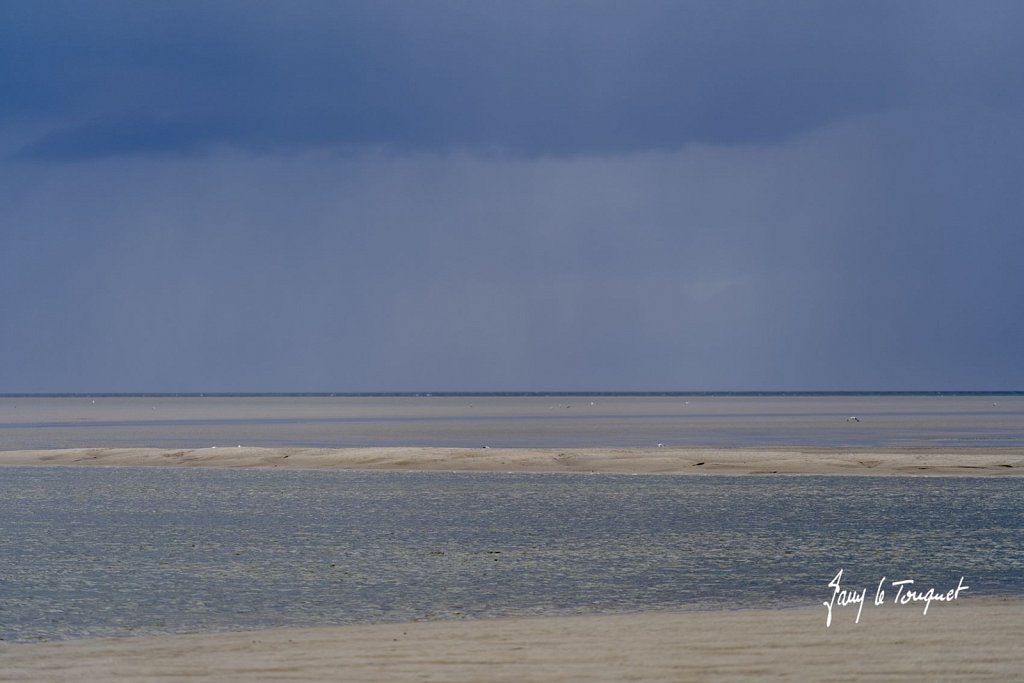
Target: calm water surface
(112, 551)
(961, 421)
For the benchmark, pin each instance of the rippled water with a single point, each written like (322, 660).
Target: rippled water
(111, 551)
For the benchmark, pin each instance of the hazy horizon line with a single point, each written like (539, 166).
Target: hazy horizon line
(426, 394)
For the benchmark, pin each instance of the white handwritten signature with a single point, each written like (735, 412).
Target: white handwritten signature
(845, 597)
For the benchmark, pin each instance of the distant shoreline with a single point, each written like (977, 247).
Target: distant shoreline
(677, 461)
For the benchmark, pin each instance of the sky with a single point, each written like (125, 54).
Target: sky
(555, 195)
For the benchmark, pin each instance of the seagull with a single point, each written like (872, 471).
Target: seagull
(853, 418)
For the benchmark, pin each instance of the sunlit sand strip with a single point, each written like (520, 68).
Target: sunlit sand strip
(970, 640)
(988, 462)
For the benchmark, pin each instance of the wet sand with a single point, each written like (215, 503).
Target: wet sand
(967, 640)
(972, 462)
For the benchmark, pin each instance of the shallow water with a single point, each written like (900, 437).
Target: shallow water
(954, 421)
(120, 551)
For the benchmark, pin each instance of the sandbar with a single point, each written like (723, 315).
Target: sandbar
(830, 461)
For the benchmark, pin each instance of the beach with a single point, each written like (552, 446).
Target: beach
(969, 640)
(818, 461)
(387, 545)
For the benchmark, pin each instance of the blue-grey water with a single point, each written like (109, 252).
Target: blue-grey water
(120, 551)
(88, 552)
(948, 421)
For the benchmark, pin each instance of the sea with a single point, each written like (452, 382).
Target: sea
(946, 420)
(108, 551)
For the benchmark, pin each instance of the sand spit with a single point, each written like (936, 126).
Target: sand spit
(970, 640)
(980, 462)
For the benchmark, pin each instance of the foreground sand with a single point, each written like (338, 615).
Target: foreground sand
(969, 640)
(624, 460)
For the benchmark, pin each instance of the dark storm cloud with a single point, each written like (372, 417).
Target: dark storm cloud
(119, 78)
